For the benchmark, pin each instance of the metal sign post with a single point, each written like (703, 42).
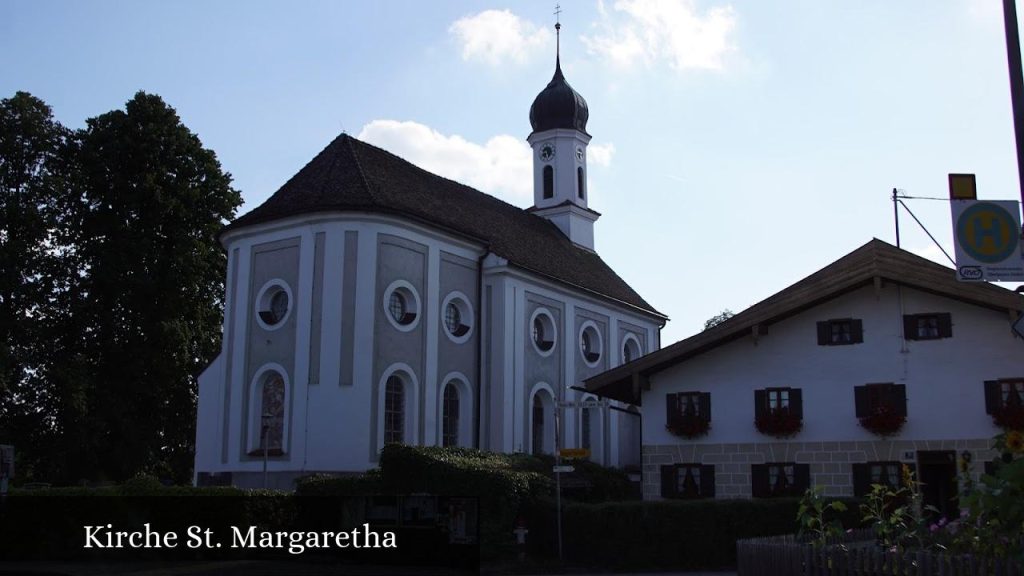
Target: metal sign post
(558, 482)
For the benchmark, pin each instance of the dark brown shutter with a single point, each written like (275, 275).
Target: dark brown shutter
(802, 477)
(993, 396)
(910, 327)
(705, 405)
(991, 467)
(796, 402)
(898, 398)
(671, 407)
(861, 480)
(759, 481)
(861, 401)
(707, 481)
(856, 331)
(824, 333)
(945, 325)
(760, 403)
(668, 481)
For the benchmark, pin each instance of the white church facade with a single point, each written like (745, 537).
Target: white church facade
(369, 301)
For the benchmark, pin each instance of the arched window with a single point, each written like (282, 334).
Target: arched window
(579, 182)
(549, 182)
(394, 411)
(271, 413)
(538, 425)
(450, 416)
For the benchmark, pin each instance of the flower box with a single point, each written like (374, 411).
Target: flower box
(883, 421)
(689, 426)
(779, 423)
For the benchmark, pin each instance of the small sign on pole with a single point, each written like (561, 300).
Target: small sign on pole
(574, 452)
(987, 235)
(562, 469)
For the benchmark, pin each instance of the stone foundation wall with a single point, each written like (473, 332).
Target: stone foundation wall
(829, 461)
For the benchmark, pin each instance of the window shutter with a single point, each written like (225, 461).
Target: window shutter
(856, 331)
(945, 325)
(910, 327)
(861, 480)
(759, 480)
(760, 403)
(991, 467)
(993, 396)
(671, 407)
(802, 477)
(824, 333)
(898, 398)
(796, 402)
(861, 402)
(705, 405)
(707, 481)
(668, 481)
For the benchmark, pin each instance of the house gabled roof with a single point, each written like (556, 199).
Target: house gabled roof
(874, 261)
(351, 175)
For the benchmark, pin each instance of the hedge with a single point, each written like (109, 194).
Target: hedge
(675, 535)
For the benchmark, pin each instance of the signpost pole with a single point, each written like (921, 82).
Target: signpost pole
(558, 480)
(1016, 83)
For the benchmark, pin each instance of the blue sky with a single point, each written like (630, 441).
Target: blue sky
(738, 146)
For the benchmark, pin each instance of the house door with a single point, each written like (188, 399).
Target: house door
(937, 473)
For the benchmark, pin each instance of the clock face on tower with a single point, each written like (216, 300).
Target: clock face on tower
(547, 152)
(579, 153)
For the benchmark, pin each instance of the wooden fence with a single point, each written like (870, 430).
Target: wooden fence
(855, 554)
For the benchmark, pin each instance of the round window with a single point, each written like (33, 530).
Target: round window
(590, 344)
(543, 336)
(402, 305)
(273, 304)
(458, 317)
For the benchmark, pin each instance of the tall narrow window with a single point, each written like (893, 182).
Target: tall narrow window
(272, 413)
(579, 183)
(394, 411)
(586, 428)
(538, 425)
(450, 417)
(549, 182)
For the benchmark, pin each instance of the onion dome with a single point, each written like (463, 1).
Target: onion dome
(559, 106)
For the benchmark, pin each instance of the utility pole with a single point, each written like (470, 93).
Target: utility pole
(1016, 84)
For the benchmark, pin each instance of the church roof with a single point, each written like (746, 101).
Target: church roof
(351, 175)
(559, 106)
(876, 261)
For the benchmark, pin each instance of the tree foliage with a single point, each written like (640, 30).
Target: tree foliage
(31, 272)
(718, 318)
(141, 301)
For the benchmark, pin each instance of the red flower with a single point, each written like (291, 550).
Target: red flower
(1010, 417)
(779, 423)
(883, 421)
(688, 425)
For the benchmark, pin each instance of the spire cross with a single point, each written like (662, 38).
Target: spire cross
(558, 35)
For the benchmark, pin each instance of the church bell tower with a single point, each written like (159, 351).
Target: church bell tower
(559, 141)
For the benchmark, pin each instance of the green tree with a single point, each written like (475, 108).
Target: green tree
(718, 318)
(32, 271)
(148, 309)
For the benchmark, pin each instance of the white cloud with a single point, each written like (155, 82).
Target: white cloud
(600, 154)
(501, 167)
(497, 37)
(672, 31)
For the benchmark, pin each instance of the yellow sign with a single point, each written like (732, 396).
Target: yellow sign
(574, 452)
(963, 187)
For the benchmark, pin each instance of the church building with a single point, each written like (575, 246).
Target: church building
(369, 301)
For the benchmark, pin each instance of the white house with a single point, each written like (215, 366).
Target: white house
(369, 301)
(876, 335)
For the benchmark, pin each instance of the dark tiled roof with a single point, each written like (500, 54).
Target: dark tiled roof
(874, 260)
(353, 175)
